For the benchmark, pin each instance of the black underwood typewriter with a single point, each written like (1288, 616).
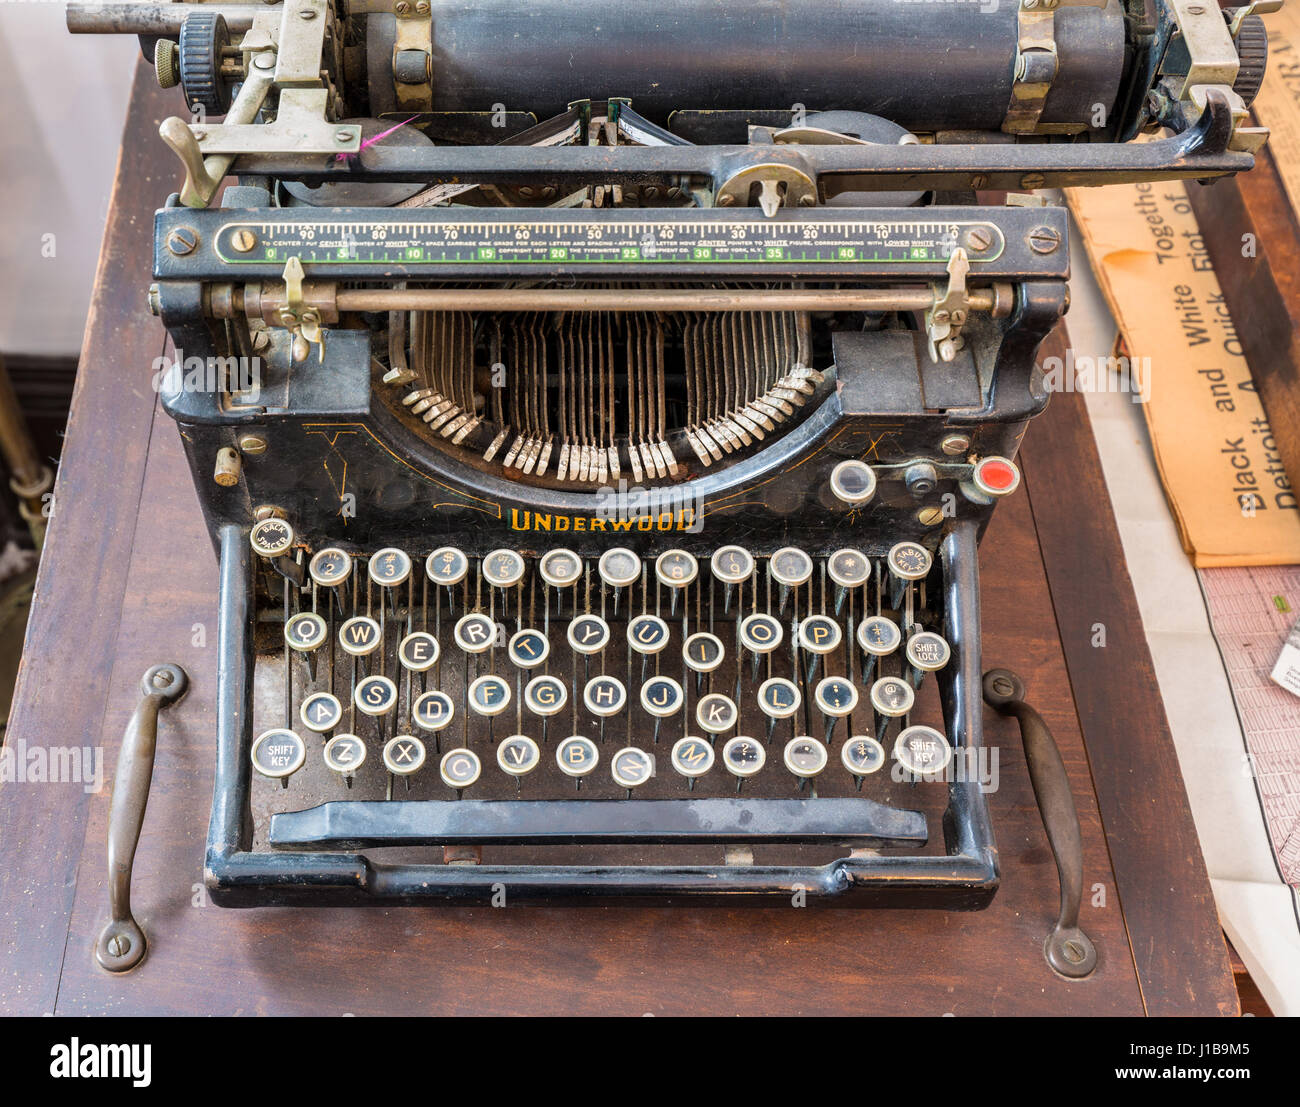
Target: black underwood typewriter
(597, 410)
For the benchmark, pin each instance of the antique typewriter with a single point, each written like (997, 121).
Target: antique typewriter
(597, 410)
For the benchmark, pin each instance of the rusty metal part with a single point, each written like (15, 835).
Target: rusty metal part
(121, 944)
(644, 299)
(227, 468)
(1067, 948)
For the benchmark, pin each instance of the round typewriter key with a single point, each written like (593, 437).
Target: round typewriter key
(489, 695)
(360, 636)
(446, 566)
(305, 631)
(503, 568)
(459, 768)
(320, 712)
(330, 566)
(909, 561)
(862, 755)
(879, 636)
(996, 476)
(404, 755)
(433, 711)
(604, 696)
(818, 634)
(676, 568)
(278, 753)
(619, 567)
(760, 633)
(849, 568)
(475, 633)
(647, 634)
(716, 713)
(732, 564)
(743, 757)
(853, 483)
(661, 697)
(546, 695)
(577, 756)
(271, 538)
(922, 750)
(836, 696)
(691, 757)
(418, 652)
(588, 634)
(892, 697)
(389, 567)
(529, 648)
(518, 755)
(345, 753)
(779, 698)
(790, 567)
(927, 651)
(703, 652)
(375, 695)
(805, 757)
(560, 568)
(631, 767)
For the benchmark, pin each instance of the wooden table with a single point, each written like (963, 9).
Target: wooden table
(129, 580)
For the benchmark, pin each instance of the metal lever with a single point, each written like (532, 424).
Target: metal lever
(1068, 949)
(121, 943)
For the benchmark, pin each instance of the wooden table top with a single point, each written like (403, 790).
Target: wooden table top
(129, 577)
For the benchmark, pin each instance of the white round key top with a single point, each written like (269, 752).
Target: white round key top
(577, 756)
(848, 568)
(271, 537)
(862, 755)
(836, 696)
(631, 767)
(691, 757)
(703, 652)
(389, 567)
(446, 566)
(716, 713)
(418, 652)
(878, 635)
(433, 711)
(375, 695)
(560, 568)
(647, 634)
(404, 755)
(546, 695)
(676, 568)
(853, 482)
(604, 696)
(360, 636)
(922, 750)
(909, 560)
(790, 567)
(518, 755)
(278, 753)
(489, 695)
(661, 697)
(619, 567)
(744, 757)
(320, 712)
(804, 756)
(819, 635)
(529, 648)
(305, 631)
(503, 568)
(330, 566)
(732, 564)
(779, 698)
(459, 768)
(928, 651)
(475, 633)
(588, 634)
(892, 697)
(345, 753)
(760, 633)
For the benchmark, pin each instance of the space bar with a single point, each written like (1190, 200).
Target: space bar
(355, 824)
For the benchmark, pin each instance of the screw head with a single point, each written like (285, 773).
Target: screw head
(402, 7)
(930, 516)
(265, 60)
(422, 7)
(344, 135)
(119, 945)
(979, 180)
(954, 445)
(726, 200)
(1003, 686)
(307, 13)
(1044, 240)
(978, 238)
(243, 240)
(252, 445)
(1032, 180)
(182, 241)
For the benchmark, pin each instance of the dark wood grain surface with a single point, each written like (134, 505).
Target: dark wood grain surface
(139, 588)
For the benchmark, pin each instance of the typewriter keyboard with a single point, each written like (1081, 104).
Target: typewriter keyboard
(443, 675)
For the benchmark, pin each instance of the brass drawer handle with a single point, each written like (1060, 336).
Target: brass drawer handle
(121, 943)
(1068, 949)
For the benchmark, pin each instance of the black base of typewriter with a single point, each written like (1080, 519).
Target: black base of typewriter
(668, 845)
